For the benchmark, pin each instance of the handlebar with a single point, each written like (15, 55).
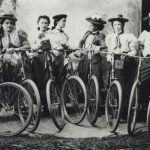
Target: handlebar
(124, 54)
(14, 50)
(66, 50)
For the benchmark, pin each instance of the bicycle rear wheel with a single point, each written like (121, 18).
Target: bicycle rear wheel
(133, 108)
(113, 106)
(15, 109)
(55, 105)
(93, 100)
(74, 97)
(148, 118)
(35, 96)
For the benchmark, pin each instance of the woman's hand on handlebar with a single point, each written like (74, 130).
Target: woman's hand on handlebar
(9, 50)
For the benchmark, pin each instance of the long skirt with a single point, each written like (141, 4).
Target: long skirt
(126, 77)
(59, 69)
(40, 75)
(96, 67)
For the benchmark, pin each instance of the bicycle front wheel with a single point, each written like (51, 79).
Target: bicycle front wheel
(113, 106)
(15, 109)
(133, 108)
(35, 96)
(55, 105)
(93, 100)
(74, 97)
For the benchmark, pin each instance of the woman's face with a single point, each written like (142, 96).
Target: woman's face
(118, 27)
(61, 23)
(92, 28)
(43, 24)
(8, 25)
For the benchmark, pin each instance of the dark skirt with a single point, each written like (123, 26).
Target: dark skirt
(96, 66)
(126, 77)
(59, 69)
(11, 73)
(40, 75)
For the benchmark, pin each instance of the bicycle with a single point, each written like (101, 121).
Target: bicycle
(113, 102)
(134, 99)
(16, 108)
(32, 89)
(64, 100)
(93, 92)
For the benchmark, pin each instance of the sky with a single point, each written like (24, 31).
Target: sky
(77, 10)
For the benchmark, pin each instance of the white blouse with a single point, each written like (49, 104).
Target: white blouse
(17, 37)
(57, 38)
(125, 42)
(144, 38)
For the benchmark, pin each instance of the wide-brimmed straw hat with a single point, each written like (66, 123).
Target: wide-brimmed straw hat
(96, 20)
(119, 17)
(8, 16)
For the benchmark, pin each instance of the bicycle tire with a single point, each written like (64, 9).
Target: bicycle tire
(74, 97)
(15, 109)
(114, 104)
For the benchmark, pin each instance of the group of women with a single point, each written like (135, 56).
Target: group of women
(13, 40)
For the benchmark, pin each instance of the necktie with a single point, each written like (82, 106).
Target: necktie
(9, 42)
(10, 45)
(118, 42)
(61, 30)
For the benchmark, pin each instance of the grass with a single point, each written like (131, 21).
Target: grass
(45, 142)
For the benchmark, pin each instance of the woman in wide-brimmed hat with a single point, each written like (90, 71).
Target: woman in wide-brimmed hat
(12, 39)
(94, 40)
(121, 42)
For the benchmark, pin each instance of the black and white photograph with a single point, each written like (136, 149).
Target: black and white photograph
(74, 74)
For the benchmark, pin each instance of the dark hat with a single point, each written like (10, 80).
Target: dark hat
(118, 18)
(96, 20)
(147, 18)
(8, 16)
(60, 16)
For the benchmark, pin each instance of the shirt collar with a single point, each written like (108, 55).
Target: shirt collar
(94, 33)
(8, 33)
(59, 29)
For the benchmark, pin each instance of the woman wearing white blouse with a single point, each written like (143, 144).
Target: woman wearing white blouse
(40, 73)
(59, 41)
(120, 42)
(144, 40)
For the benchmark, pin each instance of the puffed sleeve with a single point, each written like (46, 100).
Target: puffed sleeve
(133, 44)
(82, 41)
(110, 42)
(132, 41)
(142, 37)
(23, 37)
(100, 41)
